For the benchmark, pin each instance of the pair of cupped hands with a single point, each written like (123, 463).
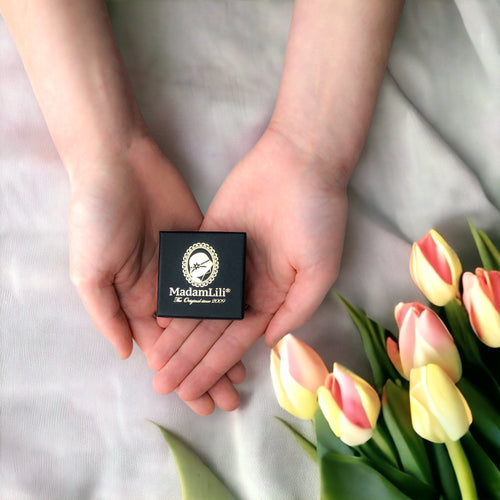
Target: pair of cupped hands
(286, 198)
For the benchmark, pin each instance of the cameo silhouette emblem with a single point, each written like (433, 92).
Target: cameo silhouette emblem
(200, 264)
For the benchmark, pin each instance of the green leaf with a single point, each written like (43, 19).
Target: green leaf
(468, 344)
(347, 478)
(486, 418)
(411, 448)
(198, 482)
(333, 453)
(380, 446)
(373, 336)
(326, 440)
(484, 470)
(465, 338)
(489, 254)
(307, 446)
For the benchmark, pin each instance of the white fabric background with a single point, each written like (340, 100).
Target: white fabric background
(73, 417)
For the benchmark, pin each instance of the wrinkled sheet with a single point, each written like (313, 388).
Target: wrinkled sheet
(74, 419)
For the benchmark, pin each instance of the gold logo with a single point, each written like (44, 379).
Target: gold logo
(200, 264)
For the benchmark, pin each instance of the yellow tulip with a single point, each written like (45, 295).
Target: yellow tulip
(439, 412)
(435, 268)
(350, 405)
(297, 371)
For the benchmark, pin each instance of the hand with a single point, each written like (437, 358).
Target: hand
(117, 210)
(292, 205)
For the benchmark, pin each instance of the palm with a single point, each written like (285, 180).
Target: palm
(115, 217)
(295, 224)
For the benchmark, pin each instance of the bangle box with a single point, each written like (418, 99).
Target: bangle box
(201, 275)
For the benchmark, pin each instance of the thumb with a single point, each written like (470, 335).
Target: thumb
(303, 298)
(102, 304)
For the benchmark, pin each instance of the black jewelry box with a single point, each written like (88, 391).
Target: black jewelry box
(201, 275)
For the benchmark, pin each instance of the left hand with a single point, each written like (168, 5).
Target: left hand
(117, 209)
(293, 207)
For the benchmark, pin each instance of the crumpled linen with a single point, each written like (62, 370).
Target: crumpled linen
(73, 417)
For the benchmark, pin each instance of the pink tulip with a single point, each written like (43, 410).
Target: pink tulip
(350, 405)
(435, 268)
(423, 339)
(297, 371)
(481, 298)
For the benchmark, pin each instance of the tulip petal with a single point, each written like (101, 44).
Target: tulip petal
(432, 251)
(481, 296)
(487, 325)
(330, 409)
(434, 344)
(297, 371)
(342, 427)
(439, 412)
(407, 340)
(279, 390)
(303, 401)
(424, 423)
(429, 281)
(450, 407)
(371, 403)
(435, 268)
(350, 405)
(393, 352)
(363, 399)
(489, 282)
(348, 396)
(304, 363)
(424, 338)
(351, 434)
(468, 281)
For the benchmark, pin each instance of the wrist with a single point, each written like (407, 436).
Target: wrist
(334, 165)
(130, 151)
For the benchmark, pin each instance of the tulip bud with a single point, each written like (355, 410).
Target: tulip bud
(481, 298)
(423, 339)
(435, 268)
(439, 412)
(350, 405)
(296, 372)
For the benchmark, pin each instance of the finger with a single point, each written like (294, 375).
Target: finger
(145, 331)
(174, 336)
(204, 405)
(303, 298)
(224, 395)
(163, 322)
(224, 354)
(237, 373)
(103, 306)
(189, 354)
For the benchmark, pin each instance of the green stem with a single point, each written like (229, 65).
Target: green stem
(462, 470)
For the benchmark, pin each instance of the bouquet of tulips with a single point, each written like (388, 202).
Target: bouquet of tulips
(429, 427)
